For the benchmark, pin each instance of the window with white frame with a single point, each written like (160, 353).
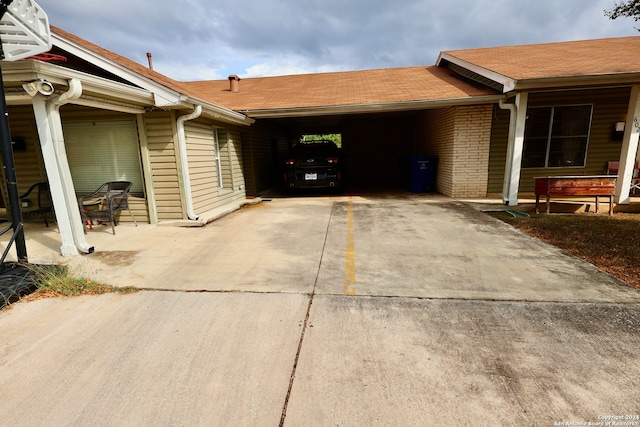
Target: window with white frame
(556, 137)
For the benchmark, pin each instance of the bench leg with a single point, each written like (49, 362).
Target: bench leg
(537, 201)
(610, 205)
(597, 203)
(548, 204)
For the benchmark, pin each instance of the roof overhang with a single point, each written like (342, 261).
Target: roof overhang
(506, 83)
(99, 92)
(163, 96)
(96, 91)
(580, 81)
(370, 108)
(218, 113)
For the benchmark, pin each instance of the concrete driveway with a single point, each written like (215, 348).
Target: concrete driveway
(385, 310)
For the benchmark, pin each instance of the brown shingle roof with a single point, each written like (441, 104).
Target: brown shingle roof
(563, 59)
(122, 61)
(392, 85)
(309, 90)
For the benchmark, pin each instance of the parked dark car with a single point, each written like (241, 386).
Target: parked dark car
(314, 164)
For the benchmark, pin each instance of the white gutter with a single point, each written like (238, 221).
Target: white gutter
(184, 161)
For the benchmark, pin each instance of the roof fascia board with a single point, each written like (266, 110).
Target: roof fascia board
(507, 83)
(371, 108)
(163, 96)
(583, 82)
(219, 113)
(24, 71)
(17, 96)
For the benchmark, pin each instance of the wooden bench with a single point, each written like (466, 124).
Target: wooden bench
(565, 186)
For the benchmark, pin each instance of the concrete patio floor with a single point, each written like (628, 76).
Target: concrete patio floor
(365, 310)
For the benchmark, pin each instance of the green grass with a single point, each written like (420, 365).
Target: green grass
(612, 243)
(56, 281)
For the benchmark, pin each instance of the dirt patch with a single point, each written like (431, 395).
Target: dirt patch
(116, 258)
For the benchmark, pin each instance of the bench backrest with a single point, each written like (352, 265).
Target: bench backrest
(614, 167)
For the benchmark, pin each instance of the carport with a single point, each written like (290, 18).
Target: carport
(373, 144)
(382, 115)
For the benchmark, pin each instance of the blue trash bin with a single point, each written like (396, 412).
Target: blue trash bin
(421, 173)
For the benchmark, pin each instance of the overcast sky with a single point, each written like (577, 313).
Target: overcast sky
(210, 39)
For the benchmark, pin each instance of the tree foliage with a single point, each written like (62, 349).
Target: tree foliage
(335, 137)
(629, 9)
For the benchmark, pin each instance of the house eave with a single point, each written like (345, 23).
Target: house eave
(216, 112)
(370, 108)
(23, 71)
(508, 84)
(578, 81)
(163, 96)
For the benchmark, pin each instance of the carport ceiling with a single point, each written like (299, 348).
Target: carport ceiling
(327, 123)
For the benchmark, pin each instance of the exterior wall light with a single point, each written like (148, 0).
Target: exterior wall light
(36, 86)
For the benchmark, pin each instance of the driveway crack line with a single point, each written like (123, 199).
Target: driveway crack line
(306, 320)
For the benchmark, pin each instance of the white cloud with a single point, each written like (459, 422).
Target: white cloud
(196, 39)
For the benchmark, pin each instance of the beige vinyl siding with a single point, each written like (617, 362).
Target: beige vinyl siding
(225, 148)
(233, 177)
(202, 165)
(263, 155)
(609, 106)
(235, 153)
(163, 158)
(206, 191)
(77, 113)
(232, 173)
(28, 163)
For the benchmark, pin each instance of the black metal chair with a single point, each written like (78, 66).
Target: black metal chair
(44, 203)
(111, 197)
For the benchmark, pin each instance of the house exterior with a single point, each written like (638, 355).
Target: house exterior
(494, 117)
(112, 119)
(471, 111)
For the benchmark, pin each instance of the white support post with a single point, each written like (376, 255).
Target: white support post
(515, 148)
(629, 148)
(57, 137)
(55, 184)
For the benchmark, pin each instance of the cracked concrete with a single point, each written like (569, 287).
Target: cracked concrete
(451, 318)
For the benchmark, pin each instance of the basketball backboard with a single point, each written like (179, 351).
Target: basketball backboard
(24, 30)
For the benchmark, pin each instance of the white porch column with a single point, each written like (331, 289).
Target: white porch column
(65, 204)
(629, 148)
(68, 246)
(515, 148)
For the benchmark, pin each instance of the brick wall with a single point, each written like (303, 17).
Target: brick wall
(460, 137)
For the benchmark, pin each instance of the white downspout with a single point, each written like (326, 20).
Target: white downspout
(67, 246)
(184, 161)
(49, 127)
(506, 183)
(55, 123)
(515, 148)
